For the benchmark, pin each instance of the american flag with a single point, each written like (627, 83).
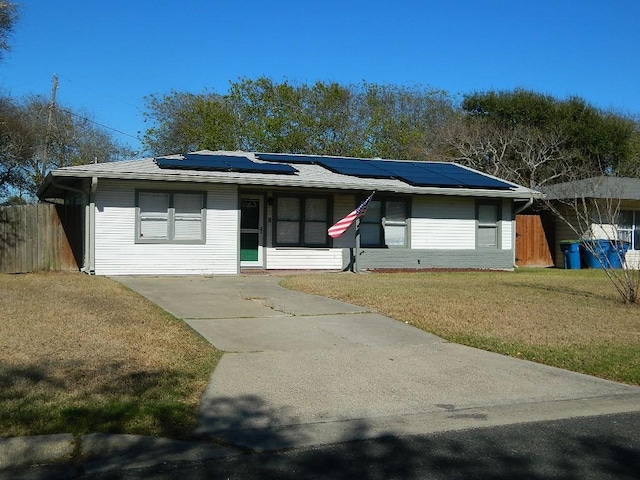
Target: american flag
(341, 225)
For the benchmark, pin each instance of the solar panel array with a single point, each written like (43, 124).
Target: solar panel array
(419, 174)
(287, 158)
(222, 163)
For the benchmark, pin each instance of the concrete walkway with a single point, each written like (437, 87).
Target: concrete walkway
(304, 370)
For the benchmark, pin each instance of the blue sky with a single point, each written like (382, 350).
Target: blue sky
(109, 55)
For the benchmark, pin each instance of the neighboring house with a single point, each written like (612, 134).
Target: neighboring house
(605, 208)
(220, 212)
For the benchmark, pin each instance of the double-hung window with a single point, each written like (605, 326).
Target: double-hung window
(487, 221)
(170, 217)
(385, 224)
(301, 221)
(629, 228)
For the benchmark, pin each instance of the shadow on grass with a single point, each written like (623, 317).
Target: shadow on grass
(34, 401)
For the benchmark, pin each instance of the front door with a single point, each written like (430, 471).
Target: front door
(251, 244)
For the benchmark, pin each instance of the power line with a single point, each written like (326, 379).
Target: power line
(120, 132)
(100, 93)
(99, 124)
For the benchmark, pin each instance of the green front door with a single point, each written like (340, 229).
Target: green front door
(251, 231)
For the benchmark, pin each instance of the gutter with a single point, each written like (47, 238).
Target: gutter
(525, 206)
(61, 186)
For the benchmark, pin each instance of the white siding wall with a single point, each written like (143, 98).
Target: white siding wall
(443, 223)
(507, 226)
(304, 258)
(632, 259)
(116, 252)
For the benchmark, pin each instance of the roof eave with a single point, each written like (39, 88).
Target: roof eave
(284, 181)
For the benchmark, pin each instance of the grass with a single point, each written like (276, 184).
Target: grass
(571, 319)
(85, 354)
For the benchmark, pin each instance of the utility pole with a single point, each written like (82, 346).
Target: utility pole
(52, 107)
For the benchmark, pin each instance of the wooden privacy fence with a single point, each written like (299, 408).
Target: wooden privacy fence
(33, 238)
(532, 245)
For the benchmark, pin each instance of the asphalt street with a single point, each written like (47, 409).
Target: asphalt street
(601, 447)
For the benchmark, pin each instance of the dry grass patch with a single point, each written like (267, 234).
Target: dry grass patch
(85, 354)
(571, 319)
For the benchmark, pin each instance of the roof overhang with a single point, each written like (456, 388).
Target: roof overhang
(620, 188)
(59, 183)
(53, 186)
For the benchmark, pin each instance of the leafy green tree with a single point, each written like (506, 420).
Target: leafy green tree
(334, 126)
(16, 145)
(535, 139)
(401, 121)
(272, 117)
(183, 122)
(32, 143)
(324, 118)
(70, 138)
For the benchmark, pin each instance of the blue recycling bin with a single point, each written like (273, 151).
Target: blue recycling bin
(595, 253)
(570, 254)
(616, 253)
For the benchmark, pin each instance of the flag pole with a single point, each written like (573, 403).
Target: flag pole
(355, 258)
(345, 223)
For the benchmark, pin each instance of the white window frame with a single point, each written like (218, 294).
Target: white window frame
(304, 224)
(171, 215)
(384, 222)
(486, 225)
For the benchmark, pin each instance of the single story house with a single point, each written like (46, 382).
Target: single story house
(222, 212)
(600, 208)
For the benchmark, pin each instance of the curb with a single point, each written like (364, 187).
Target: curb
(37, 450)
(100, 452)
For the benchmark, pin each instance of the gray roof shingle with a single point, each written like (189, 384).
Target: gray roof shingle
(623, 188)
(308, 176)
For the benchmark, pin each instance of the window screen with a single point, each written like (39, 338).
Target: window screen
(385, 224)
(302, 221)
(187, 216)
(487, 221)
(154, 215)
(166, 217)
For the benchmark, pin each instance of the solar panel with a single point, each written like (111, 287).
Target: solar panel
(354, 167)
(435, 174)
(212, 163)
(223, 163)
(410, 172)
(419, 174)
(286, 158)
(469, 178)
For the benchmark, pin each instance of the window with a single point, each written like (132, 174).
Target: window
(170, 217)
(487, 216)
(302, 221)
(629, 228)
(385, 224)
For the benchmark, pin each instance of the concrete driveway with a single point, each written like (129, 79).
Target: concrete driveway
(305, 370)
